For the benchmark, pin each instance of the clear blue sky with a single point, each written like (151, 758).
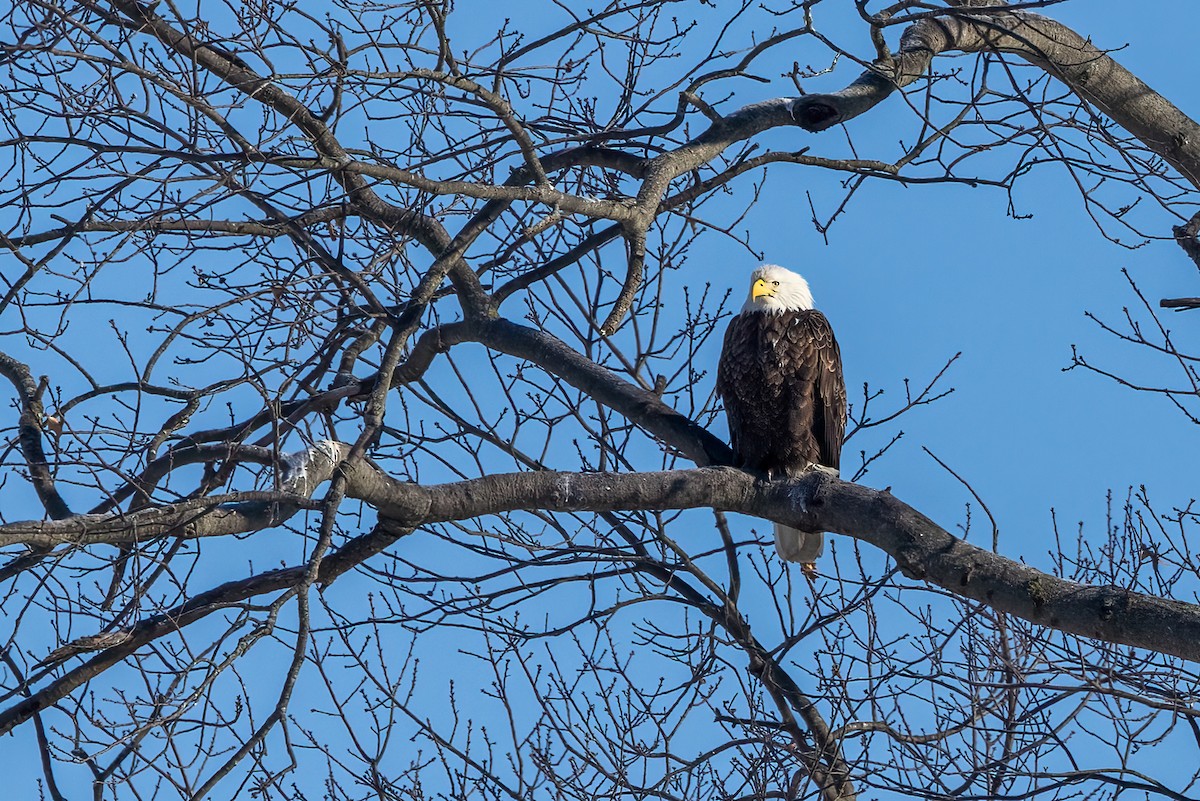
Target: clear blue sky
(911, 275)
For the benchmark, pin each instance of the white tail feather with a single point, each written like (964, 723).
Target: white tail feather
(794, 545)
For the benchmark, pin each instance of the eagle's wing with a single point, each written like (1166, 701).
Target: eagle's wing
(816, 363)
(731, 380)
(829, 387)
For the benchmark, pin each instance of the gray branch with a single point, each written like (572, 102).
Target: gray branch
(921, 548)
(1089, 72)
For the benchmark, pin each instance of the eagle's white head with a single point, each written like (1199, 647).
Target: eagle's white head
(775, 289)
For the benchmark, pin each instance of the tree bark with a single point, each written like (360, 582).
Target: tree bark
(921, 548)
(1089, 72)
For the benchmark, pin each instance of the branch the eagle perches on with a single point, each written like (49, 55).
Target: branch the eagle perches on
(922, 549)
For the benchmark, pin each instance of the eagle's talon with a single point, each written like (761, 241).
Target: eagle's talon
(809, 569)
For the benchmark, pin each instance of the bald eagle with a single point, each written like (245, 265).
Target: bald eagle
(780, 377)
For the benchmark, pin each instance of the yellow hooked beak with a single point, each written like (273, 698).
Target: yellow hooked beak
(762, 289)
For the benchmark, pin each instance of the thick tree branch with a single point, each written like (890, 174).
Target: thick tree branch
(1086, 69)
(641, 406)
(921, 548)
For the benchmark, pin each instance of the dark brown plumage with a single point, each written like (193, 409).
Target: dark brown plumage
(780, 377)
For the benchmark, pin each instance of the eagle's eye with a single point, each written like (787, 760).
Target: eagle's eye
(776, 283)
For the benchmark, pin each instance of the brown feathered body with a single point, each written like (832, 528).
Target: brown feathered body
(780, 377)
